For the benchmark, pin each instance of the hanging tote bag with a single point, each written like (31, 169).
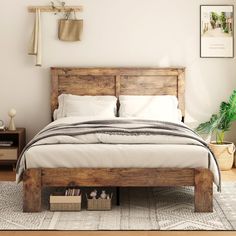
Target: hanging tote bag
(70, 29)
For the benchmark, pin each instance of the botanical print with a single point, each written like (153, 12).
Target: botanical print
(216, 31)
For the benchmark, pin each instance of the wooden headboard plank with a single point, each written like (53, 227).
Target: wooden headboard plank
(181, 91)
(148, 85)
(87, 85)
(115, 71)
(118, 81)
(54, 89)
(117, 85)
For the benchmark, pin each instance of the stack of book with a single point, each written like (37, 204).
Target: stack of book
(72, 192)
(6, 143)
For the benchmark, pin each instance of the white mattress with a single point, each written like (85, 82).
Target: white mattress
(116, 156)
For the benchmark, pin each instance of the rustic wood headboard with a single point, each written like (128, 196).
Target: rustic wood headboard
(118, 81)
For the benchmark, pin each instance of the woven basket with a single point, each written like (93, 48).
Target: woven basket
(224, 154)
(65, 203)
(99, 204)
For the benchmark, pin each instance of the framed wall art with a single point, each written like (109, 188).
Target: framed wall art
(217, 31)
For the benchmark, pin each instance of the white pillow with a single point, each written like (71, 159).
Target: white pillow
(104, 109)
(164, 108)
(73, 105)
(55, 114)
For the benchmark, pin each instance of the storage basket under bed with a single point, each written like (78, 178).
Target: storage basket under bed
(99, 204)
(65, 203)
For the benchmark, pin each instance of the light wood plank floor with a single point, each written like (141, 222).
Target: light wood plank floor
(229, 175)
(117, 233)
(6, 174)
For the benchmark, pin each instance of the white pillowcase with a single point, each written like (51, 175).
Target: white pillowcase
(55, 114)
(164, 108)
(97, 106)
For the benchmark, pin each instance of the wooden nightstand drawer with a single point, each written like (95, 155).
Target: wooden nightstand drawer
(8, 154)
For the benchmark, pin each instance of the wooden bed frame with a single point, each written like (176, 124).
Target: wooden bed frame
(118, 81)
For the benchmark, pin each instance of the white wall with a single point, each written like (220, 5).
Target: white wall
(116, 33)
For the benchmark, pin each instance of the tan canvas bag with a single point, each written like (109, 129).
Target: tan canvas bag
(70, 29)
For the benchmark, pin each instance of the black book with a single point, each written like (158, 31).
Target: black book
(6, 143)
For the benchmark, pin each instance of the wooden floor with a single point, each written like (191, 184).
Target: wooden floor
(229, 175)
(116, 233)
(6, 174)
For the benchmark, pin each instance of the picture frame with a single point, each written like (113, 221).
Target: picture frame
(216, 31)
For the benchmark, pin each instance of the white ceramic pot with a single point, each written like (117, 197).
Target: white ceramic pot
(224, 154)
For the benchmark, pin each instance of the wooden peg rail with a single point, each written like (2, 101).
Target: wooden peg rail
(32, 9)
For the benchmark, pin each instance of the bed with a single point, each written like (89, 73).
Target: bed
(116, 82)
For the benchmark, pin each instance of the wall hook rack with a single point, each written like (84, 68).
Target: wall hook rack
(32, 9)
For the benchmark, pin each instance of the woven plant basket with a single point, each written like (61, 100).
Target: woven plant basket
(224, 154)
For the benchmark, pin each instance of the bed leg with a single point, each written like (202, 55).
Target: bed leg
(32, 190)
(117, 196)
(203, 190)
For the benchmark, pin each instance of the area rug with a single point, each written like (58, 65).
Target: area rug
(140, 209)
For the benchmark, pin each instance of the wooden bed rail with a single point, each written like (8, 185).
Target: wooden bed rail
(35, 179)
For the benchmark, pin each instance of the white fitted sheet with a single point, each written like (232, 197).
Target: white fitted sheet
(116, 156)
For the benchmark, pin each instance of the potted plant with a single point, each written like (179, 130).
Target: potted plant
(219, 124)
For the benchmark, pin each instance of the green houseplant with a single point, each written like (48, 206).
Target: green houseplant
(219, 124)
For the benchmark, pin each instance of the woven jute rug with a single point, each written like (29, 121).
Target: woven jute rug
(140, 209)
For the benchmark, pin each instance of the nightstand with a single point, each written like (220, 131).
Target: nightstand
(10, 154)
